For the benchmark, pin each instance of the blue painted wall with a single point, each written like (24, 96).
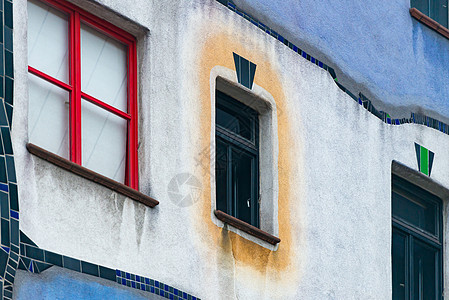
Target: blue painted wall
(58, 283)
(376, 48)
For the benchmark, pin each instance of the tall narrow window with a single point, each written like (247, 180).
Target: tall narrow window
(416, 242)
(82, 92)
(237, 159)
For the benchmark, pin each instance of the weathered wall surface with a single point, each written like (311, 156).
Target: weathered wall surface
(334, 168)
(376, 47)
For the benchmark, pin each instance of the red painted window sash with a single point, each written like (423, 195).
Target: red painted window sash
(76, 16)
(50, 79)
(105, 106)
(75, 103)
(132, 171)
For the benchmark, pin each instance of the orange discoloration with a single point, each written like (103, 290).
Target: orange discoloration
(217, 51)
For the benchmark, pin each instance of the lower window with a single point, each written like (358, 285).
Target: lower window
(416, 242)
(237, 159)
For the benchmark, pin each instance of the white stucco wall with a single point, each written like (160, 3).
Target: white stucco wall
(339, 187)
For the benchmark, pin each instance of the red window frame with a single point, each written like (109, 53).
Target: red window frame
(76, 16)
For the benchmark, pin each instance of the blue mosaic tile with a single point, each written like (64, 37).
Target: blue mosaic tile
(3, 177)
(8, 39)
(14, 231)
(5, 238)
(13, 197)
(9, 66)
(89, 268)
(8, 13)
(8, 93)
(71, 263)
(11, 168)
(14, 214)
(53, 258)
(8, 109)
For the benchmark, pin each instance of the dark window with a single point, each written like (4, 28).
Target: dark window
(416, 242)
(237, 159)
(436, 9)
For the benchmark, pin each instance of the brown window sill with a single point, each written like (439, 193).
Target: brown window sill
(91, 175)
(243, 226)
(431, 23)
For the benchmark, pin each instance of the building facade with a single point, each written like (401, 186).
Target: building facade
(218, 150)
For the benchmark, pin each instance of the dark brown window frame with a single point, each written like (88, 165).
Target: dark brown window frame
(429, 22)
(91, 175)
(248, 228)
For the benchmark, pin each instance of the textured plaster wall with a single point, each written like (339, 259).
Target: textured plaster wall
(334, 169)
(376, 47)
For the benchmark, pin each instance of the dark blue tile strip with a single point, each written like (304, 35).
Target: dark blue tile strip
(431, 156)
(418, 155)
(36, 260)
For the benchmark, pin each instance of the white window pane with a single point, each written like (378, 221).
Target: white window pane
(48, 40)
(104, 141)
(48, 116)
(103, 68)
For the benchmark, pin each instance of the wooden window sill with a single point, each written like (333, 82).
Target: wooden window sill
(91, 175)
(243, 226)
(429, 22)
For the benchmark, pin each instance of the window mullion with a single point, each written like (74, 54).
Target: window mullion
(230, 185)
(132, 171)
(75, 104)
(411, 283)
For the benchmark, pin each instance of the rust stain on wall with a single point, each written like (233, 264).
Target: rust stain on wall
(217, 51)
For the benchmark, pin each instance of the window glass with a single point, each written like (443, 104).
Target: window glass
(399, 266)
(221, 174)
(235, 123)
(48, 40)
(103, 68)
(421, 5)
(424, 272)
(438, 11)
(48, 116)
(243, 173)
(414, 206)
(103, 141)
